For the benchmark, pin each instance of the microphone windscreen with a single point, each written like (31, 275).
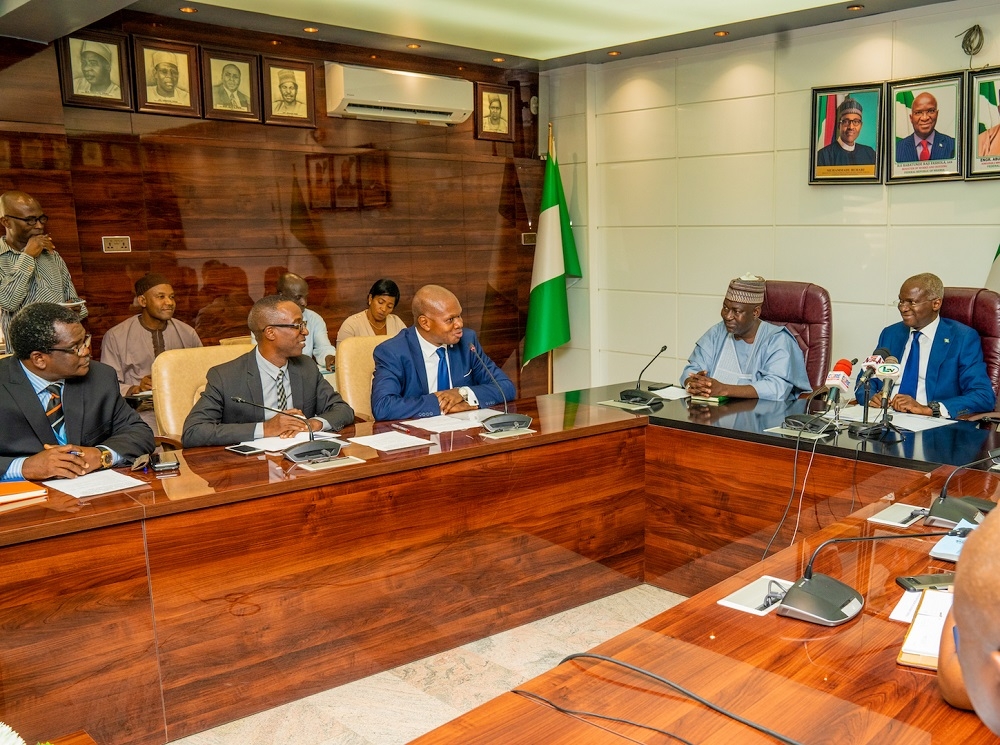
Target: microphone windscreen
(844, 366)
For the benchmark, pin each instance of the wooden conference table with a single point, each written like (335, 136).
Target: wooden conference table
(150, 614)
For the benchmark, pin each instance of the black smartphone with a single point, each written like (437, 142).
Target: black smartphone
(164, 462)
(937, 581)
(244, 449)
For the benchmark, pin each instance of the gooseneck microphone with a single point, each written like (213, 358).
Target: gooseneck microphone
(304, 451)
(500, 422)
(823, 600)
(637, 395)
(946, 512)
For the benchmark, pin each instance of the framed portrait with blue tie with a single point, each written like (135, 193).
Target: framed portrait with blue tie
(925, 136)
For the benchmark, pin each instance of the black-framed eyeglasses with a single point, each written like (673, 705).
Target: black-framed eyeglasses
(31, 220)
(77, 350)
(297, 326)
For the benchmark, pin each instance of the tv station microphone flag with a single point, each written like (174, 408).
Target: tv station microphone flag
(556, 260)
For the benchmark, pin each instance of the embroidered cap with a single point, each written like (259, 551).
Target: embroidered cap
(747, 289)
(148, 282)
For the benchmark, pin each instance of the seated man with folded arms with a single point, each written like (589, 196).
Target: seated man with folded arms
(275, 374)
(743, 356)
(62, 414)
(429, 368)
(132, 345)
(946, 376)
(969, 659)
(318, 345)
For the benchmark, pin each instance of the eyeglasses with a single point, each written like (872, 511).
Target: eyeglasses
(77, 350)
(902, 304)
(31, 220)
(850, 122)
(297, 326)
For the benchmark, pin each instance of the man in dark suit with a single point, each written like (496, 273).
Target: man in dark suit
(275, 374)
(926, 143)
(62, 414)
(227, 94)
(430, 368)
(943, 369)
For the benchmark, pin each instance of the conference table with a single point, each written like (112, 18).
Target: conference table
(146, 615)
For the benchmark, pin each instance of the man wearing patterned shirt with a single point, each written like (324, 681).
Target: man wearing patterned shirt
(30, 269)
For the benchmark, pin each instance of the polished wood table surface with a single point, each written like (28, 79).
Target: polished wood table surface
(810, 683)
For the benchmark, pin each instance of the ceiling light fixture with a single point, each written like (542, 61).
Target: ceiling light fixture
(373, 56)
(855, 8)
(499, 59)
(310, 29)
(615, 53)
(413, 46)
(722, 34)
(275, 43)
(187, 9)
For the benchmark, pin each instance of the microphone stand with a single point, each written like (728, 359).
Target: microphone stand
(637, 395)
(946, 513)
(500, 422)
(303, 451)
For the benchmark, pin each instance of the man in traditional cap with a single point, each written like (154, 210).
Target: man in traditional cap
(288, 104)
(926, 143)
(132, 345)
(845, 149)
(988, 144)
(494, 120)
(944, 374)
(743, 356)
(95, 67)
(227, 94)
(165, 77)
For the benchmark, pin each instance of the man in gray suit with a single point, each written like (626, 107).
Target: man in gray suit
(227, 94)
(274, 374)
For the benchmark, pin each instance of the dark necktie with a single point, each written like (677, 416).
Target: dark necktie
(279, 381)
(444, 383)
(54, 411)
(908, 385)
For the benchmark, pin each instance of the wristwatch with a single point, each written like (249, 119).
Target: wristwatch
(935, 408)
(470, 397)
(107, 457)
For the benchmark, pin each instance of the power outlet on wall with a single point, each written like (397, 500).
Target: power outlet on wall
(117, 244)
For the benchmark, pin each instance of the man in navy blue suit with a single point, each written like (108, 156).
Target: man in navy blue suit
(430, 368)
(926, 143)
(948, 376)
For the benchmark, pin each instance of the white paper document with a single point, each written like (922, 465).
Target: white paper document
(671, 393)
(911, 422)
(278, 444)
(387, 441)
(94, 483)
(925, 633)
(445, 423)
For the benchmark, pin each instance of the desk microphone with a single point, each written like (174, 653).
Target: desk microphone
(946, 513)
(500, 422)
(637, 395)
(826, 601)
(871, 362)
(304, 451)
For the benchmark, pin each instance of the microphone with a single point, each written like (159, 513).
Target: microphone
(303, 451)
(875, 359)
(890, 373)
(637, 395)
(826, 601)
(839, 379)
(946, 513)
(500, 422)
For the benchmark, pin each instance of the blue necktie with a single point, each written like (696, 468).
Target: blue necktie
(908, 385)
(444, 383)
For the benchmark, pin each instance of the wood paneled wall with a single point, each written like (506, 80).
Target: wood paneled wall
(221, 207)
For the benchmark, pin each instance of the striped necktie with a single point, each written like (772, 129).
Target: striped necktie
(54, 411)
(282, 396)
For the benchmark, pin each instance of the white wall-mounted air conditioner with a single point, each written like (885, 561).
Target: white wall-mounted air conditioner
(393, 95)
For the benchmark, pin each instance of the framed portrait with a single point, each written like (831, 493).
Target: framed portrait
(373, 179)
(493, 107)
(983, 146)
(94, 71)
(288, 92)
(230, 82)
(166, 77)
(319, 168)
(924, 139)
(846, 135)
(347, 183)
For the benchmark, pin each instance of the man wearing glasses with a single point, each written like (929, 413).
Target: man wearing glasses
(846, 150)
(30, 269)
(926, 143)
(275, 374)
(62, 413)
(944, 374)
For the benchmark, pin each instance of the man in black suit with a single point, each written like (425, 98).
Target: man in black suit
(62, 414)
(227, 94)
(275, 374)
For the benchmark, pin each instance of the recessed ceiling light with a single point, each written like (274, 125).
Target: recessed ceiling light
(275, 43)
(187, 9)
(413, 46)
(373, 56)
(460, 68)
(855, 8)
(721, 34)
(310, 29)
(499, 59)
(614, 54)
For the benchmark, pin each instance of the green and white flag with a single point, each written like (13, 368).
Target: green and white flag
(555, 261)
(993, 279)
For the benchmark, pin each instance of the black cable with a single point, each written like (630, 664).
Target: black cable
(578, 713)
(791, 495)
(690, 694)
(972, 41)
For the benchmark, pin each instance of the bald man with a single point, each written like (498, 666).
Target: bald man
(926, 143)
(318, 345)
(430, 369)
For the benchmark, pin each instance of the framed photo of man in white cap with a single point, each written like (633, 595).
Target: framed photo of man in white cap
(288, 92)
(167, 79)
(93, 71)
(846, 135)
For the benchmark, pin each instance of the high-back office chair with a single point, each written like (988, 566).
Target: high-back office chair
(355, 368)
(804, 309)
(979, 308)
(237, 340)
(179, 377)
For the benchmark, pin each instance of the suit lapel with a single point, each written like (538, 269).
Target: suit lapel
(417, 356)
(255, 389)
(21, 392)
(298, 394)
(939, 350)
(74, 407)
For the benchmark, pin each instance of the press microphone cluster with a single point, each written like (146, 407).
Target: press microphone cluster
(838, 381)
(500, 422)
(637, 395)
(304, 451)
(823, 600)
(871, 362)
(947, 512)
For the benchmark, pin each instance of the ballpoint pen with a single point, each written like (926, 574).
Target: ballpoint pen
(400, 427)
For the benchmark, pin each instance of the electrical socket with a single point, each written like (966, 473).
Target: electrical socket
(117, 244)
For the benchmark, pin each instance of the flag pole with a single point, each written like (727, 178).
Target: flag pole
(551, 364)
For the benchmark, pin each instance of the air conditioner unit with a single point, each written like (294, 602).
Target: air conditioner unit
(396, 96)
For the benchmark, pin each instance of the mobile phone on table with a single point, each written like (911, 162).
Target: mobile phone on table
(244, 449)
(938, 581)
(164, 462)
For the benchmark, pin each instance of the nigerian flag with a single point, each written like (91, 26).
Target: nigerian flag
(993, 279)
(555, 260)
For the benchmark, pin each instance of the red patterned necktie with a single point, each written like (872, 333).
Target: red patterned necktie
(925, 151)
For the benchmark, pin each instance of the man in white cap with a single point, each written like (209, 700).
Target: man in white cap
(95, 68)
(988, 144)
(288, 103)
(743, 356)
(845, 150)
(166, 76)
